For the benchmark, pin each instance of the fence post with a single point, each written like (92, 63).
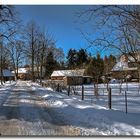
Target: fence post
(126, 85)
(126, 102)
(58, 88)
(109, 98)
(69, 90)
(82, 92)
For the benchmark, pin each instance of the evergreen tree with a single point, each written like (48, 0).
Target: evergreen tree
(72, 58)
(95, 68)
(112, 61)
(50, 65)
(109, 62)
(99, 67)
(90, 69)
(82, 58)
(62, 65)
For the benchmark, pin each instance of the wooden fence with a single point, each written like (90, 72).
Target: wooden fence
(113, 96)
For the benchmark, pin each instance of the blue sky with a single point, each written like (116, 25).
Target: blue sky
(60, 21)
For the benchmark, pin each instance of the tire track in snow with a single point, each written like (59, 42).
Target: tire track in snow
(27, 114)
(43, 125)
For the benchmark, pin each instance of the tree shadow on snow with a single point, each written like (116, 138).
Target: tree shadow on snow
(87, 117)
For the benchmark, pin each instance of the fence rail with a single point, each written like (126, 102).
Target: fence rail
(124, 98)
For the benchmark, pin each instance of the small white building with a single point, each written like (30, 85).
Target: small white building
(60, 74)
(23, 73)
(72, 77)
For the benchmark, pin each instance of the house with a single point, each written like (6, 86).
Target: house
(7, 75)
(72, 77)
(23, 73)
(126, 67)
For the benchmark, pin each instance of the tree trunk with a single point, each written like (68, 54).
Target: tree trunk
(41, 74)
(96, 89)
(17, 72)
(1, 67)
(37, 67)
(32, 55)
(1, 77)
(139, 73)
(33, 74)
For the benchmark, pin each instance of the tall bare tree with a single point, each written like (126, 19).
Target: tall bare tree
(42, 50)
(57, 52)
(118, 26)
(8, 26)
(8, 21)
(15, 51)
(31, 36)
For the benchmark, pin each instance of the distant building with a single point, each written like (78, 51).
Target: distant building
(72, 77)
(23, 73)
(7, 75)
(126, 67)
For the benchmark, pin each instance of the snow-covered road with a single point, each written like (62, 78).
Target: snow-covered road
(27, 109)
(23, 112)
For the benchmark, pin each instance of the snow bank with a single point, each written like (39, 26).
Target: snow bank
(90, 116)
(7, 85)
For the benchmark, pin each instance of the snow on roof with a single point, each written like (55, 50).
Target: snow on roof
(79, 72)
(7, 73)
(120, 66)
(21, 70)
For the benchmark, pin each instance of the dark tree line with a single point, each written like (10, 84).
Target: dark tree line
(95, 66)
(51, 64)
(77, 59)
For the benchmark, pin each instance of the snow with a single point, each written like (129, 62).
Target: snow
(22, 71)
(8, 84)
(4, 90)
(90, 117)
(79, 72)
(120, 66)
(85, 117)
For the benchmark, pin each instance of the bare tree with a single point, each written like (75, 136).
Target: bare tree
(15, 51)
(42, 50)
(8, 26)
(31, 36)
(4, 60)
(8, 21)
(57, 52)
(1, 60)
(119, 28)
